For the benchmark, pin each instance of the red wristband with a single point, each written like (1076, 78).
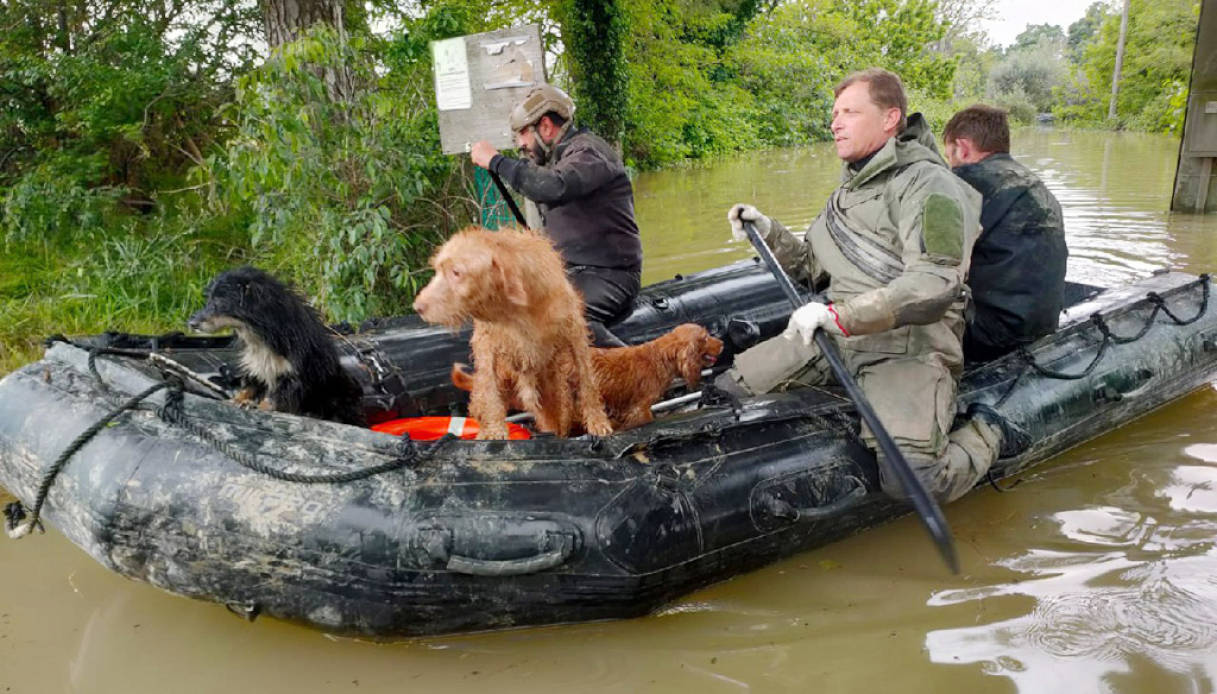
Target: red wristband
(837, 319)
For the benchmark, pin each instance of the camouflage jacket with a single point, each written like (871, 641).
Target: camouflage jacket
(1018, 263)
(585, 198)
(892, 248)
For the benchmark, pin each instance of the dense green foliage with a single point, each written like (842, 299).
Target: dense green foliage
(355, 189)
(594, 36)
(1157, 63)
(1069, 72)
(709, 78)
(146, 145)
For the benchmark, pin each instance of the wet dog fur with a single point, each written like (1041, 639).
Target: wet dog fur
(530, 340)
(631, 379)
(289, 361)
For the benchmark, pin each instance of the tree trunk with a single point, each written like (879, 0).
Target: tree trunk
(1115, 75)
(593, 32)
(287, 20)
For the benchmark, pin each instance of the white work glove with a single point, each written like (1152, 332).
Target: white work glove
(741, 213)
(808, 318)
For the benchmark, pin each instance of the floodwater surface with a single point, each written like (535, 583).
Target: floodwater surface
(1097, 573)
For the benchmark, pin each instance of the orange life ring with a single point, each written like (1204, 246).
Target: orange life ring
(432, 428)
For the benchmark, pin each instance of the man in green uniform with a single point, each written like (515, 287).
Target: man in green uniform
(585, 198)
(891, 251)
(1017, 275)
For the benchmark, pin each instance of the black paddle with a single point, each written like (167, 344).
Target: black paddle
(510, 201)
(925, 505)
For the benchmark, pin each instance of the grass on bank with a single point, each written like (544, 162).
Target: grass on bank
(124, 280)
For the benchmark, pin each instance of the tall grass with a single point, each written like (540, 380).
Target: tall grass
(132, 279)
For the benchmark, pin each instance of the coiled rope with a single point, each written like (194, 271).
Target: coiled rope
(18, 523)
(1109, 338)
(14, 514)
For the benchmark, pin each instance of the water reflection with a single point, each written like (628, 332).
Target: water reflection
(1131, 587)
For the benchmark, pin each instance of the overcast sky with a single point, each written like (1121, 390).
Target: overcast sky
(1015, 15)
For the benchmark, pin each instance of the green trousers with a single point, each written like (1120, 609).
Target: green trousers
(914, 398)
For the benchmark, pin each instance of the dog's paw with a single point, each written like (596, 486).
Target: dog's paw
(492, 432)
(245, 398)
(598, 426)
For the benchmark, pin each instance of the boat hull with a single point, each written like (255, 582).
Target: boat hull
(476, 535)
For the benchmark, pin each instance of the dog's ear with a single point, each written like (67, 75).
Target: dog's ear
(513, 284)
(690, 362)
(250, 292)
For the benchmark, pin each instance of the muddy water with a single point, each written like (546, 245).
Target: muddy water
(1097, 573)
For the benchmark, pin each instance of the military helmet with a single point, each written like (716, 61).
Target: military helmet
(538, 102)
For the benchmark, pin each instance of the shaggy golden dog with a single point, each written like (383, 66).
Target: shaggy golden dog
(530, 339)
(631, 379)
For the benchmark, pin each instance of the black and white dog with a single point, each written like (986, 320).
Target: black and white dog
(289, 360)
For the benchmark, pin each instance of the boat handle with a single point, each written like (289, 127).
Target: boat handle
(516, 567)
(784, 510)
(1106, 392)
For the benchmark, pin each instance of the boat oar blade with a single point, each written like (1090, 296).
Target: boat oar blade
(927, 509)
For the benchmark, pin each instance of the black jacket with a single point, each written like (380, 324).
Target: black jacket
(1017, 275)
(585, 199)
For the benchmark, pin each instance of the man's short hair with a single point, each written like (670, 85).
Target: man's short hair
(554, 118)
(884, 88)
(985, 126)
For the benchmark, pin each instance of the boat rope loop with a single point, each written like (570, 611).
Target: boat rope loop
(16, 523)
(1110, 337)
(410, 453)
(164, 363)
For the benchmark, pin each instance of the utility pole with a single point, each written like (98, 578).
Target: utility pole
(1115, 76)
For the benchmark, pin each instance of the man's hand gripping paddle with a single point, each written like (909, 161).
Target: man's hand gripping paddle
(927, 508)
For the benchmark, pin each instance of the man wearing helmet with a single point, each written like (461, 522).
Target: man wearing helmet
(585, 198)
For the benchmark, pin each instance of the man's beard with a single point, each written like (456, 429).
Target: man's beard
(536, 154)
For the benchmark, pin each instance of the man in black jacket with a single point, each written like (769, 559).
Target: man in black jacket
(1017, 275)
(586, 202)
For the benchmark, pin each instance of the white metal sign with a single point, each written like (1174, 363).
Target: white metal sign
(478, 78)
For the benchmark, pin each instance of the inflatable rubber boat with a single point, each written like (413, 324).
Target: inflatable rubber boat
(127, 446)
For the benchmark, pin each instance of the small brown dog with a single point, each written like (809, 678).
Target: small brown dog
(631, 379)
(530, 339)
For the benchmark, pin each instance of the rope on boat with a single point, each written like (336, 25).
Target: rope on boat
(1109, 338)
(410, 455)
(160, 360)
(15, 514)
(18, 523)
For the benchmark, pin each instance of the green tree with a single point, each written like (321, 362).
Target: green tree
(961, 21)
(684, 98)
(1026, 79)
(1039, 36)
(594, 34)
(108, 103)
(793, 56)
(1082, 32)
(1157, 63)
